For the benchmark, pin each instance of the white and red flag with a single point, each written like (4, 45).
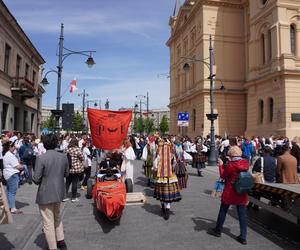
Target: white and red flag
(73, 86)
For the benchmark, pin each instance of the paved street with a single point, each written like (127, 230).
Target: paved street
(142, 227)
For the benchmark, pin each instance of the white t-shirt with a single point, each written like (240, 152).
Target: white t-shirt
(87, 159)
(10, 161)
(1, 150)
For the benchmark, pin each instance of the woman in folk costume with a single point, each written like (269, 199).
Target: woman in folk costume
(180, 165)
(166, 187)
(199, 158)
(128, 160)
(150, 147)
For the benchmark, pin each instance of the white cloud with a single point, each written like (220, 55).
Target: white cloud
(83, 22)
(122, 93)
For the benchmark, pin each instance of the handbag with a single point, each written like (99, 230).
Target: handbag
(5, 214)
(259, 177)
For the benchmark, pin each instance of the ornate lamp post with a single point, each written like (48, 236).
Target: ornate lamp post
(212, 159)
(63, 53)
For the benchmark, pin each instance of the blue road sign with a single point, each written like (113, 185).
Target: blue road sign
(183, 119)
(183, 116)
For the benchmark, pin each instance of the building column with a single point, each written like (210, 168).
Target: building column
(298, 41)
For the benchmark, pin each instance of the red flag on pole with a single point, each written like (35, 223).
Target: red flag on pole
(108, 128)
(73, 85)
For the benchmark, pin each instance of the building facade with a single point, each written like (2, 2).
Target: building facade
(20, 75)
(256, 57)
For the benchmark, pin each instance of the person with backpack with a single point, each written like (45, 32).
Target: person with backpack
(26, 155)
(234, 174)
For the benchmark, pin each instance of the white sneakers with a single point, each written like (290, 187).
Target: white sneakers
(74, 200)
(66, 199)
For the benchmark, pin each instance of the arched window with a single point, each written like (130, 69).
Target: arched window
(263, 51)
(261, 111)
(271, 109)
(293, 39)
(270, 44)
(194, 119)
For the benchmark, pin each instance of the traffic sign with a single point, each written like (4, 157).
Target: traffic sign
(183, 119)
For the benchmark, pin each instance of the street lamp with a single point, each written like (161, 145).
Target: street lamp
(212, 159)
(141, 97)
(63, 53)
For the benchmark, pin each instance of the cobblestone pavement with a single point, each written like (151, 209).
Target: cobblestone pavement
(142, 227)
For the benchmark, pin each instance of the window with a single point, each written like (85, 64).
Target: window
(18, 67)
(6, 58)
(293, 39)
(33, 76)
(32, 120)
(16, 118)
(185, 46)
(193, 37)
(261, 111)
(271, 109)
(4, 115)
(263, 51)
(26, 71)
(270, 44)
(194, 119)
(25, 121)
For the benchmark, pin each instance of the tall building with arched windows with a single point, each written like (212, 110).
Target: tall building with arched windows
(256, 48)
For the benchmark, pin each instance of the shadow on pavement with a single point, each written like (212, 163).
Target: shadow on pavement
(21, 204)
(41, 241)
(5, 244)
(154, 209)
(148, 192)
(283, 233)
(105, 223)
(203, 224)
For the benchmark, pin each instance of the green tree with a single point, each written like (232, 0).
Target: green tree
(49, 123)
(139, 126)
(149, 125)
(164, 125)
(77, 122)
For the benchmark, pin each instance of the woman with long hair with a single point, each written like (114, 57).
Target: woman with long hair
(76, 169)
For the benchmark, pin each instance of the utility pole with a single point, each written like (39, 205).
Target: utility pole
(147, 104)
(83, 94)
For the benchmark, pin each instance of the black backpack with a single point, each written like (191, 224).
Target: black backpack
(28, 154)
(243, 183)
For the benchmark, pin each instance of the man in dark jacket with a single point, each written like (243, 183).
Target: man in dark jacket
(50, 170)
(269, 165)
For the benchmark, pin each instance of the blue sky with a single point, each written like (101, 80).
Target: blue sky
(128, 35)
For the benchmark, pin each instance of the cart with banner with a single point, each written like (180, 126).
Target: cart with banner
(108, 131)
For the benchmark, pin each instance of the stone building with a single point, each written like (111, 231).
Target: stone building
(256, 47)
(20, 73)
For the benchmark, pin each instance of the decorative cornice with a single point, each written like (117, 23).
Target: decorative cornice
(18, 29)
(193, 9)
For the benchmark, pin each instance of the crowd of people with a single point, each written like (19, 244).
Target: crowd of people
(30, 159)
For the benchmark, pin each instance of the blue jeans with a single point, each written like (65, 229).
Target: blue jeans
(11, 189)
(241, 209)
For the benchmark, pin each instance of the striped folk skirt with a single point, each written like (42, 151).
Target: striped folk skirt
(167, 190)
(149, 172)
(181, 174)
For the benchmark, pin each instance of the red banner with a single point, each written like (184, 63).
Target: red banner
(108, 128)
